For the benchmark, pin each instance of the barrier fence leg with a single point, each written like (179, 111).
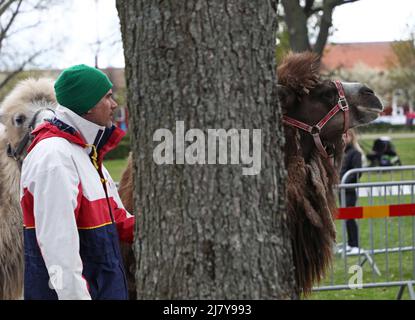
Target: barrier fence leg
(411, 290)
(372, 263)
(363, 262)
(400, 292)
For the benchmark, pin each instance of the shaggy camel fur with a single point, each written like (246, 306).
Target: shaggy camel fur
(125, 191)
(16, 112)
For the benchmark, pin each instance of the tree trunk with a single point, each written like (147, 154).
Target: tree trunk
(296, 21)
(296, 15)
(206, 231)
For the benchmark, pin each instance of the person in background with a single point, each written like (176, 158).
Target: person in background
(352, 159)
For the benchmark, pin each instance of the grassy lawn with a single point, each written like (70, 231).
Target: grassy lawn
(115, 168)
(405, 148)
(393, 266)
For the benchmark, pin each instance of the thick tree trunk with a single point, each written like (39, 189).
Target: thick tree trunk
(296, 21)
(206, 231)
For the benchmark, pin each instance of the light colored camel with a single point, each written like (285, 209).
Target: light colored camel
(27, 100)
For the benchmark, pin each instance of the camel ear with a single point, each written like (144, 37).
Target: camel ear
(286, 97)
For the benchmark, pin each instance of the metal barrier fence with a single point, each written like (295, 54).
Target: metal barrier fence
(385, 216)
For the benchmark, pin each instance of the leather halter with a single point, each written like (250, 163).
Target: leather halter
(17, 153)
(315, 130)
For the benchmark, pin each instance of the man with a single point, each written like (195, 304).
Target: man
(73, 216)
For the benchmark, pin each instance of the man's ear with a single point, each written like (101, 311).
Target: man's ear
(286, 97)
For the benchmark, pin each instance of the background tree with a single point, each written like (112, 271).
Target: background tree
(402, 73)
(308, 19)
(17, 16)
(206, 231)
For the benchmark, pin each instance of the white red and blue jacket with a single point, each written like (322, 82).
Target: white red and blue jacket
(73, 216)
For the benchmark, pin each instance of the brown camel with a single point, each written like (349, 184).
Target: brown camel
(311, 158)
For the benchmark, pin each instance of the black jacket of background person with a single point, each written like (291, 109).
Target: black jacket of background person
(352, 159)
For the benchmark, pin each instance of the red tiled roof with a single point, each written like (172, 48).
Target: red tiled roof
(347, 55)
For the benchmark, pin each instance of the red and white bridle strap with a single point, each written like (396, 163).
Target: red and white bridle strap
(315, 130)
(343, 105)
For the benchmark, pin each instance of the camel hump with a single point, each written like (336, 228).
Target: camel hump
(29, 91)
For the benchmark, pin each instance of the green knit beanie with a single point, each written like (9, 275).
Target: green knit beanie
(80, 88)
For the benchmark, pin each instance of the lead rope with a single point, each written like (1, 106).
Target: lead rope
(94, 155)
(94, 159)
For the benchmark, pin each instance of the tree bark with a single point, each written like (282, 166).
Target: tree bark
(206, 231)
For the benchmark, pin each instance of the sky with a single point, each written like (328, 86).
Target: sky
(72, 29)
(373, 20)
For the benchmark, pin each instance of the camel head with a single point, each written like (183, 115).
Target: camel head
(307, 99)
(29, 104)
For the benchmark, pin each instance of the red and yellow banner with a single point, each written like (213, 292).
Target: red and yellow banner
(392, 210)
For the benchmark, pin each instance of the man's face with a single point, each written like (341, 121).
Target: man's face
(103, 113)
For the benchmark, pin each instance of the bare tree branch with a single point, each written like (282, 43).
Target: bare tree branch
(15, 72)
(31, 26)
(3, 32)
(325, 24)
(335, 3)
(4, 5)
(296, 18)
(308, 7)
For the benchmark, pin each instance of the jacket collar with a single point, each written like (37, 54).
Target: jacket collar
(89, 131)
(79, 131)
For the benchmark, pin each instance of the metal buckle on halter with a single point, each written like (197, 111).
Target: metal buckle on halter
(315, 130)
(344, 106)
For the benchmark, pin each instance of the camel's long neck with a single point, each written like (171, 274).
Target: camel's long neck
(10, 177)
(311, 206)
(11, 229)
(301, 143)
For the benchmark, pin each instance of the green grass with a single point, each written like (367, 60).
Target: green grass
(405, 148)
(115, 168)
(393, 266)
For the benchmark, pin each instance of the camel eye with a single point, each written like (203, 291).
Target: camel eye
(18, 120)
(328, 93)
